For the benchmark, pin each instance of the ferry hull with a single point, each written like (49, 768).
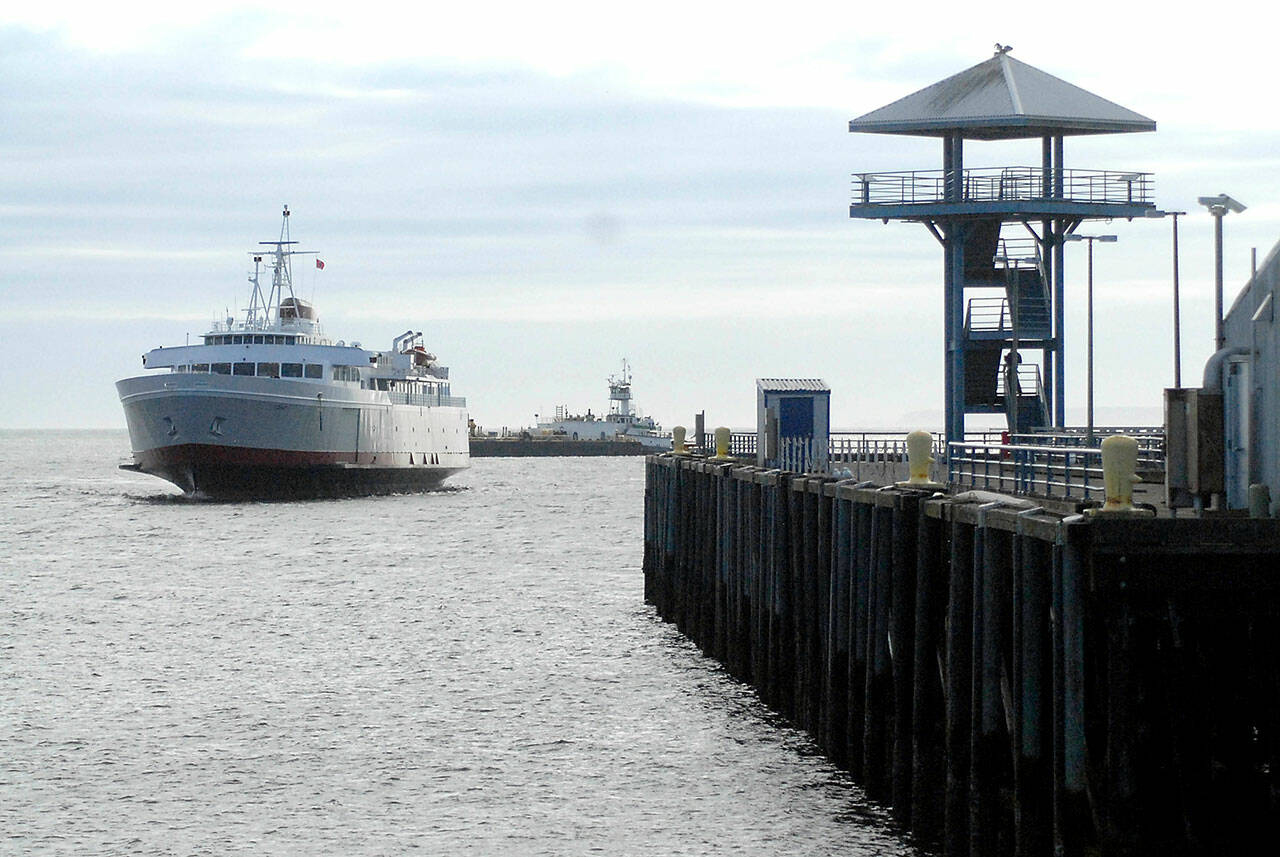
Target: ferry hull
(275, 474)
(257, 438)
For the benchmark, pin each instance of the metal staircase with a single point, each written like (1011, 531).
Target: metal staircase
(996, 325)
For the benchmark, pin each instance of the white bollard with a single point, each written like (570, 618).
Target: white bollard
(1119, 472)
(722, 443)
(919, 457)
(677, 441)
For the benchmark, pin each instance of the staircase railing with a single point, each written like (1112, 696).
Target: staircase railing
(1029, 382)
(988, 314)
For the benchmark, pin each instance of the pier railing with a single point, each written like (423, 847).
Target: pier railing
(1150, 440)
(1003, 184)
(1015, 468)
(1051, 463)
(742, 444)
(843, 446)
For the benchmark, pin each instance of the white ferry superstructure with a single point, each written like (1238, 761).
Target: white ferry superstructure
(270, 407)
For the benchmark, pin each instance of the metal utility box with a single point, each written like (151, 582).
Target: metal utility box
(793, 423)
(1194, 455)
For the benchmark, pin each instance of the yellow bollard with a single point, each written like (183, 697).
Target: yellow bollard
(677, 441)
(919, 457)
(1119, 466)
(722, 443)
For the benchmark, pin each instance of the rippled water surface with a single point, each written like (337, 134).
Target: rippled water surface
(471, 671)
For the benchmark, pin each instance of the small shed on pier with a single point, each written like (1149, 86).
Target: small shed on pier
(793, 423)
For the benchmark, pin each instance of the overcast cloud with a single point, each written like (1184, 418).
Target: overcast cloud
(543, 219)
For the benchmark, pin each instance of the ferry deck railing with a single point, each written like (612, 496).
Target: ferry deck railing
(426, 400)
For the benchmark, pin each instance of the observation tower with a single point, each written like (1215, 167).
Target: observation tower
(1002, 228)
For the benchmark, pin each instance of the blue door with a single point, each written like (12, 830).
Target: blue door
(795, 417)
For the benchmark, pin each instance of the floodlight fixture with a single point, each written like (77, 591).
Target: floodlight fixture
(1222, 201)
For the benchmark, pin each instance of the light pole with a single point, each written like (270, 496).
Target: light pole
(1218, 206)
(1177, 312)
(1089, 403)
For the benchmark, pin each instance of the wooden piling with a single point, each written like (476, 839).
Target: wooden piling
(1032, 572)
(878, 715)
(839, 608)
(859, 587)
(958, 689)
(928, 735)
(902, 614)
(1072, 819)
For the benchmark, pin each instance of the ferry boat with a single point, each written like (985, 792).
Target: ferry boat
(267, 406)
(622, 423)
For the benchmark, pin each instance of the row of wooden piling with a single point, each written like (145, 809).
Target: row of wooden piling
(1008, 678)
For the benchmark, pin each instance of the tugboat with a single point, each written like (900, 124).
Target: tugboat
(268, 407)
(622, 423)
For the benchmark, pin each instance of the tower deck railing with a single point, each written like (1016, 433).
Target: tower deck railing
(1003, 184)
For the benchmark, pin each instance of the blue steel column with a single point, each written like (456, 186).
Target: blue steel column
(957, 232)
(1059, 306)
(954, 292)
(948, 247)
(1049, 261)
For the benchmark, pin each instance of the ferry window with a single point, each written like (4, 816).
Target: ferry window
(237, 340)
(220, 368)
(288, 340)
(346, 373)
(242, 369)
(269, 370)
(257, 340)
(291, 370)
(199, 367)
(275, 340)
(314, 370)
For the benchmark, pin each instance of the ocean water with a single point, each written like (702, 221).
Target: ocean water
(470, 671)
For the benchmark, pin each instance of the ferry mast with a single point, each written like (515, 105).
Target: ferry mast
(265, 311)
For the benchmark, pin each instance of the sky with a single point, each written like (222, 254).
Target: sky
(547, 189)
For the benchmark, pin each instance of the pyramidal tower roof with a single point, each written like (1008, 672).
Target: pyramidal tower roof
(1000, 99)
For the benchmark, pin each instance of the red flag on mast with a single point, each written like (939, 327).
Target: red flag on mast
(319, 264)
